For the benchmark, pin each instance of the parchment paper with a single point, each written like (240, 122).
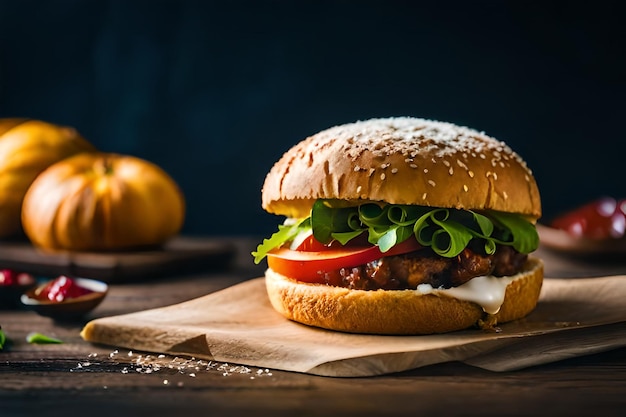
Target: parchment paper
(574, 317)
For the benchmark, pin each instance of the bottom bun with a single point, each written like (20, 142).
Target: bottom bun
(398, 311)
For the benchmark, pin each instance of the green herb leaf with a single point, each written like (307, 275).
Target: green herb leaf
(485, 232)
(523, 234)
(3, 339)
(388, 239)
(326, 220)
(423, 230)
(373, 215)
(447, 231)
(484, 224)
(38, 338)
(404, 215)
(284, 234)
(450, 239)
(345, 237)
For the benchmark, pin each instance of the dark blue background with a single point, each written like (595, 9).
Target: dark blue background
(215, 92)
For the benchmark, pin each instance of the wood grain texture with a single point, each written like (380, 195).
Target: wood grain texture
(175, 257)
(47, 380)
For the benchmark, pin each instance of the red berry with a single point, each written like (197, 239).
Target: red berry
(11, 277)
(601, 219)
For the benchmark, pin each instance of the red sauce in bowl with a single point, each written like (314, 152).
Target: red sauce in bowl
(61, 289)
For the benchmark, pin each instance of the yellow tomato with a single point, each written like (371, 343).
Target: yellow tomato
(102, 201)
(27, 147)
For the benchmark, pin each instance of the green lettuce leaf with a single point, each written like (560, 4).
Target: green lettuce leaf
(446, 231)
(326, 220)
(345, 237)
(450, 238)
(284, 234)
(523, 235)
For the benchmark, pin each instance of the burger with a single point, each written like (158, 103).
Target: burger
(402, 226)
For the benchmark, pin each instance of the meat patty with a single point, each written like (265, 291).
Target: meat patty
(425, 267)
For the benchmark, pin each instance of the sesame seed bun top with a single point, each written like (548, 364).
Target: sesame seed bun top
(402, 161)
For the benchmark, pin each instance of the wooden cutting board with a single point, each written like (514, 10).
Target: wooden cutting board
(178, 256)
(574, 317)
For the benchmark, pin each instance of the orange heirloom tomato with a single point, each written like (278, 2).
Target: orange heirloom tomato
(310, 266)
(101, 201)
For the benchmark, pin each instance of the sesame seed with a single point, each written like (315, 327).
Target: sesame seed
(451, 171)
(424, 196)
(471, 174)
(432, 183)
(425, 170)
(358, 189)
(453, 144)
(465, 187)
(356, 168)
(382, 176)
(495, 176)
(394, 170)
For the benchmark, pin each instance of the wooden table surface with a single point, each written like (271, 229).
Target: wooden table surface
(77, 377)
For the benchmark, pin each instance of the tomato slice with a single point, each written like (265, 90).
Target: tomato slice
(308, 243)
(310, 266)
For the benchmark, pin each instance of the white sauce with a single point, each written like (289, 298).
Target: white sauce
(486, 291)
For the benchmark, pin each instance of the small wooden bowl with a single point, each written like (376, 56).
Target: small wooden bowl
(70, 307)
(10, 293)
